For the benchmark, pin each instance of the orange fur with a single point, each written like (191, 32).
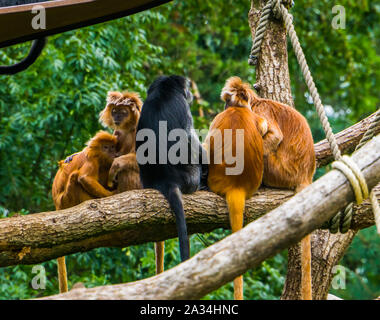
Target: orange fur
(83, 178)
(288, 145)
(130, 100)
(236, 188)
(289, 160)
(124, 170)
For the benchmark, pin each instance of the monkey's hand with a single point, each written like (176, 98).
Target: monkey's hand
(272, 138)
(93, 187)
(127, 162)
(262, 125)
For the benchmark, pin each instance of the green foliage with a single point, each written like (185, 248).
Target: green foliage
(51, 110)
(362, 267)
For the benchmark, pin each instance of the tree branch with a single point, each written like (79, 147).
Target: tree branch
(347, 141)
(246, 249)
(133, 218)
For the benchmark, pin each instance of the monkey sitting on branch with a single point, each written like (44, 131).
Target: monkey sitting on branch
(83, 176)
(289, 160)
(122, 114)
(236, 131)
(167, 108)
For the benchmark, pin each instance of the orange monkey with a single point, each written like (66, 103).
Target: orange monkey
(236, 187)
(81, 177)
(289, 161)
(122, 114)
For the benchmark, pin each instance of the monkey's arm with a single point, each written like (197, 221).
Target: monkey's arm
(125, 162)
(88, 178)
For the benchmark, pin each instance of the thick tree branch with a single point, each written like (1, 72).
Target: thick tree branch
(347, 140)
(131, 218)
(122, 220)
(243, 250)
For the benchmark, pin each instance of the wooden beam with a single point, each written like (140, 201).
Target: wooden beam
(64, 15)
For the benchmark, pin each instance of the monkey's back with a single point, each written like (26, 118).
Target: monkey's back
(250, 177)
(175, 113)
(293, 164)
(63, 174)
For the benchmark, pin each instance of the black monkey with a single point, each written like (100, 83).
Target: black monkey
(169, 100)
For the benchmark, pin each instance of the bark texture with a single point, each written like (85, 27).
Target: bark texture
(129, 218)
(347, 141)
(272, 67)
(247, 248)
(44, 236)
(132, 218)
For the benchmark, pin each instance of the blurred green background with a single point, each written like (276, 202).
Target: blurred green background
(51, 110)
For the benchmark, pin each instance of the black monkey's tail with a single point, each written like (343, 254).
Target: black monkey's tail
(174, 197)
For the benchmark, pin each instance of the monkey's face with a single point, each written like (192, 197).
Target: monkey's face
(109, 151)
(124, 115)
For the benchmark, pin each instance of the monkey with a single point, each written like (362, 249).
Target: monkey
(241, 185)
(80, 177)
(168, 104)
(121, 114)
(289, 161)
(34, 53)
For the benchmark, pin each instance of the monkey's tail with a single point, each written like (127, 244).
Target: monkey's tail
(236, 202)
(306, 286)
(306, 279)
(62, 275)
(174, 197)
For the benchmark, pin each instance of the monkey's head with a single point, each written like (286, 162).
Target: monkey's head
(165, 85)
(102, 146)
(122, 110)
(237, 93)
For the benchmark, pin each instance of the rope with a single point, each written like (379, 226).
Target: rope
(260, 32)
(343, 224)
(345, 164)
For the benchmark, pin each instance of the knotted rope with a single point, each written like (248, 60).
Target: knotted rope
(342, 221)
